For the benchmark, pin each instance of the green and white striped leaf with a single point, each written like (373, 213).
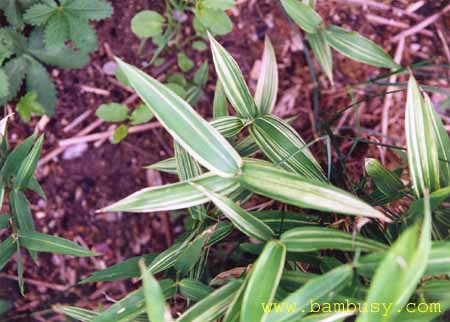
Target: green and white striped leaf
(28, 166)
(154, 298)
(303, 15)
(308, 239)
(265, 179)
(233, 313)
(192, 132)
(191, 255)
(246, 147)
(212, 306)
(396, 277)
(51, 244)
(7, 249)
(442, 141)
(76, 313)
(168, 258)
(423, 156)
(233, 81)
(436, 289)
(313, 291)
(386, 181)
(174, 196)
(322, 52)
(267, 86)
(359, 48)
(188, 168)
(220, 105)
(228, 126)
(285, 220)
(193, 289)
(263, 281)
(243, 220)
(284, 147)
(168, 165)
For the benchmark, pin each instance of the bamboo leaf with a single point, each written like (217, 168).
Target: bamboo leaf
(212, 306)
(190, 255)
(15, 158)
(308, 239)
(359, 48)
(193, 289)
(398, 274)
(284, 147)
(233, 81)
(285, 220)
(303, 15)
(228, 126)
(7, 249)
(264, 179)
(263, 281)
(233, 313)
(423, 157)
(243, 220)
(168, 165)
(313, 291)
(246, 147)
(386, 181)
(322, 51)
(192, 132)
(76, 313)
(51, 244)
(28, 166)
(174, 196)
(267, 86)
(220, 105)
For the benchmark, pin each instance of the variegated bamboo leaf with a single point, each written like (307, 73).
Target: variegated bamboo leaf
(220, 105)
(423, 156)
(174, 196)
(76, 313)
(192, 132)
(303, 15)
(267, 180)
(246, 147)
(228, 126)
(359, 48)
(322, 52)
(233, 81)
(284, 147)
(267, 86)
(193, 289)
(308, 239)
(168, 165)
(386, 181)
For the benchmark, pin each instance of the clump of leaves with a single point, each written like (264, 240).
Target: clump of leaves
(61, 37)
(322, 38)
(16, 178)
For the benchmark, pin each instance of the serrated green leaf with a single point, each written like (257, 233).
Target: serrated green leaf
(193, 133)
(28, 166)
(386, 181)
(90, 9)
(212, 306)
(233, 81)
(303, 15)
(313, 291)
(51, 244)
(77, 313)
(112, 112)
(228, 126)
(39, 13)
(423, 156)
(83, 36)
(398, 274)
(147, 24)
(56, 30)
(263, 281)
(264, 179)
(308, 239)
(4, 84)
(359, 48)
(29, 105)
(220, 105)
(39, 80)
(193, 289)
(322, 52)
(7, 249)
(284, 147)
(267, 86)
(16, 70)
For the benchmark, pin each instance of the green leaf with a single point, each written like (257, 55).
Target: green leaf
(398, 274)
(313, 291)
(212, 306)
(303, 15)
(56, 30)
(201, 76)
(267, 86)
(284, 147)
(154, 298)
(264, 179)
(4, 307)
(263, 281)
(228, 126)
(141, 115)
(359, 48)
(112, 112)
(51, 244)
(76, 313)
(7, 249)
(193, 289)
(29, 105)
(147, 24)
(90, 9)
(199, 45)
(184, 62)
(193, 133)
(233, 81)
(220, 105)
(28, 166)
(16, 70)
(436, 289)
(4, 221)
(127, 269)
(21, 211)
(386, 181)
(126, 309)
(219, 4)
(285, 220)
(190, 255)
(247, 146)
(4, 84)
(233, 313)
(216, 21)
(243, 220)
(168, 165)
(322, 52)
(39, 13)
(39, 80)
(168, 258)
(120, 133)
(423, 156)
(308, 239)
(174, 196)
(83, 36)
(15, 158)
